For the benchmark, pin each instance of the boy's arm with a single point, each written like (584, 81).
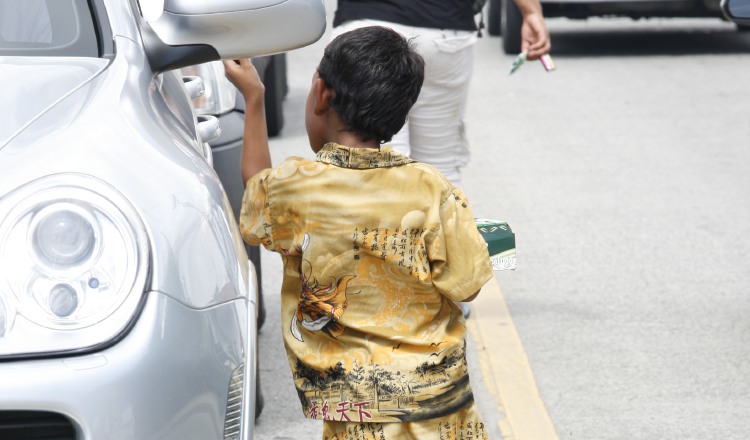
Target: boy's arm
(255, 154)
(534, 34)
(459, 261)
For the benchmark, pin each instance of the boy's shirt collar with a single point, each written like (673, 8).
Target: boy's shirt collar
(361, 158)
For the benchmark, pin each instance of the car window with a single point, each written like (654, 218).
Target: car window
(47, 28)
(739, 8)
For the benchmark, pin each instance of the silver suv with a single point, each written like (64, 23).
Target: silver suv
(127, 301)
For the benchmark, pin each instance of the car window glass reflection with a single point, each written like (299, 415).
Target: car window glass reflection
(740, 8)
(24, 21)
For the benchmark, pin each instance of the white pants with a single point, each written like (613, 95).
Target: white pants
(435, 131)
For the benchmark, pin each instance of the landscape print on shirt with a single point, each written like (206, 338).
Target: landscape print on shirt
(385, 378)
(374, 393)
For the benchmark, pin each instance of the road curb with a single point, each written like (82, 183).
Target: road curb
(506, 370)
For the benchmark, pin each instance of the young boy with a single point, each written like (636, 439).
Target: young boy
(376, 247)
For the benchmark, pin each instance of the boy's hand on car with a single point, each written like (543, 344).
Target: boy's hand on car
(245, 77)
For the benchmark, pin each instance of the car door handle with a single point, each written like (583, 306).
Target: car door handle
(194, 86)
(209, 127)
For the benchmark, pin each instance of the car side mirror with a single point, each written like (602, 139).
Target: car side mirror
(737, 11)
(197, 31)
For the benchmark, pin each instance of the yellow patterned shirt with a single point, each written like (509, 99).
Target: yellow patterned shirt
(376, 247)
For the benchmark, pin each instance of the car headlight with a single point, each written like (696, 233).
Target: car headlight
(74, 259)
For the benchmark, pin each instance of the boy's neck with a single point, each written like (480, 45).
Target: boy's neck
(334, 130)
(351, 140)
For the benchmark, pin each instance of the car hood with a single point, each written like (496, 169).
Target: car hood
(109, 122)
(36, 86)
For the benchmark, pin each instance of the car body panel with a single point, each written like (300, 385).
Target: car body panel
(112, 393)
(86, 123)
(52, 78)
(182, 364)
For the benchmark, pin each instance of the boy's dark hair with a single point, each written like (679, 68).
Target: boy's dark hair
(376, 76)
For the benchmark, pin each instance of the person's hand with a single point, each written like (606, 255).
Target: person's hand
(534, 36)
(245, 77)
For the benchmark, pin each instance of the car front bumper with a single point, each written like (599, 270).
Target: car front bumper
(168, 378)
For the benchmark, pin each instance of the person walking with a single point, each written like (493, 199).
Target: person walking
(444, 32)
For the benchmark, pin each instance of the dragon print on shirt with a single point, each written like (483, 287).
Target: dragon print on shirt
(320, 307)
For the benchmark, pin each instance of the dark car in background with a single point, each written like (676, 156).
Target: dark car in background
(737, 11)
(504, 17)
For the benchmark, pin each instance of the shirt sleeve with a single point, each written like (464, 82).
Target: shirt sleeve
(255, 218)
(459, 260)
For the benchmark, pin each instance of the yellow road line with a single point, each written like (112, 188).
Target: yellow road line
(506, 370)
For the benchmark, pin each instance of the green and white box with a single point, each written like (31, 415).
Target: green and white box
(501, 243)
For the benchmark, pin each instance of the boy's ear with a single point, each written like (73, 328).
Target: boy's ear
(323, 96)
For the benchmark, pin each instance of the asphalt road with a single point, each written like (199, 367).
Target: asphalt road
(625, 177)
